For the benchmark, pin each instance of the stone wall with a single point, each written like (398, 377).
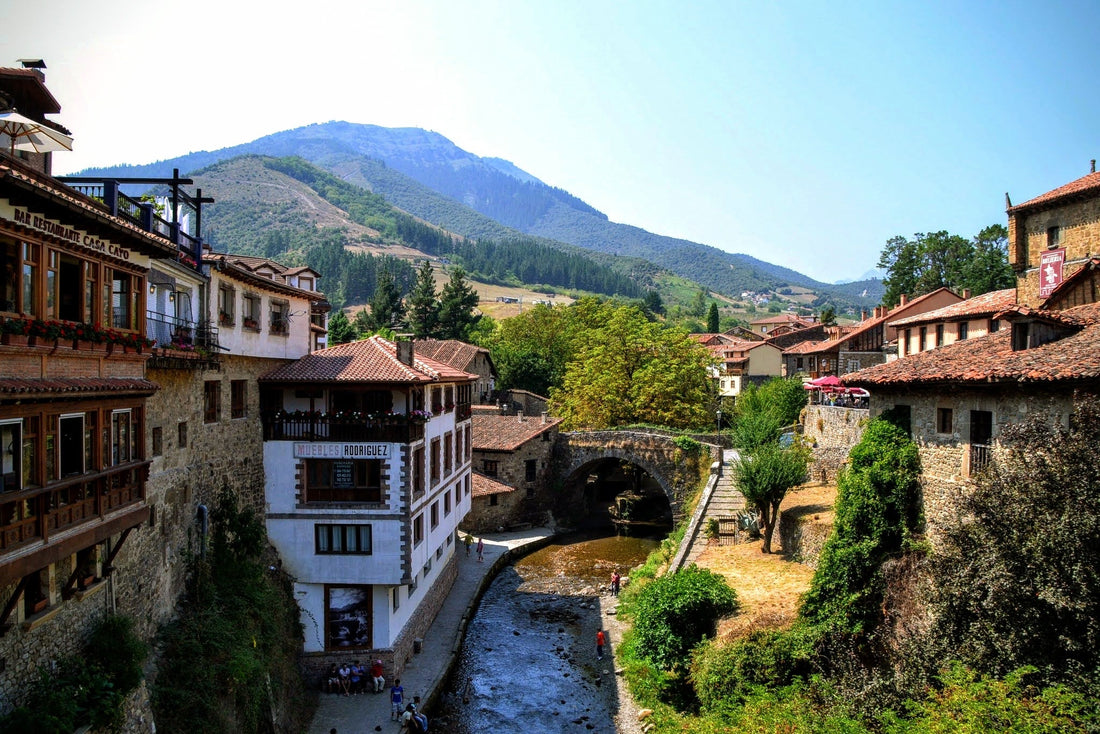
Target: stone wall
(832, 432)
(511, 509)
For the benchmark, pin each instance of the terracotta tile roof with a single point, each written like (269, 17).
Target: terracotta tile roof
(449, 351)
(246, 267)
(986, 304)
(990, 359)
(506, 432)
(83, 385)
(783, 318)
(1089, 184)
(366, 360)
(483, 486)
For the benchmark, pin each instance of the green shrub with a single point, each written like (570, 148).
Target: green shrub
(712, 528)
(675, 612)
(687, 444)
(877, 509)
(771, 658)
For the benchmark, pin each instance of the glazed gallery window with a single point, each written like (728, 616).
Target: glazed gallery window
(447, 453)
(123, 437)
(11, 442)
(347, 617)
(279, 322)
(50, 283)
(342, 539)
(341, 480)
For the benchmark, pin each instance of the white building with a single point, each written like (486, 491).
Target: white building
(367, 459)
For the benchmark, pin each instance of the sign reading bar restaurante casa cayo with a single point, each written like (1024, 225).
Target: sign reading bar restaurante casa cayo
(1050, 271)
(341, 450)
(59, 229)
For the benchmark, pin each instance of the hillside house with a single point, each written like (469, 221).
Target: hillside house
(968, 319)
(367, 457)
(766, 324)
(740, 362)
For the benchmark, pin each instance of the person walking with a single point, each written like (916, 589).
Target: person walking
(480, 550)
(467, 541)
(616, 579)
(397, 699)
(599, 644)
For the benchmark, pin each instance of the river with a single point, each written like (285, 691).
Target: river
(529, 660)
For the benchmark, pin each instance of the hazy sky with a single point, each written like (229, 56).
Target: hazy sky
(802, 133)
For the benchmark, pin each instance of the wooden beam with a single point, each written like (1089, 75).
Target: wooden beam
(10, 606)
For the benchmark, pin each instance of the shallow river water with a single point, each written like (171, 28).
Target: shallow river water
(529, 661)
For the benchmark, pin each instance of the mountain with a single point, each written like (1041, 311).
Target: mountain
(428, 176)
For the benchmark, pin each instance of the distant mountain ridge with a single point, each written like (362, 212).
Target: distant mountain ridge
(384, 160)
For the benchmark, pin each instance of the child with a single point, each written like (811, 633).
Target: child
(397, 699)
(599, 645)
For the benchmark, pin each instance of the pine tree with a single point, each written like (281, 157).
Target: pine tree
(340, 330)
(456, 307)
(386, 307)
(423, 305)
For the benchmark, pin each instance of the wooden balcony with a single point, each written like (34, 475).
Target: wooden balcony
(327, 427)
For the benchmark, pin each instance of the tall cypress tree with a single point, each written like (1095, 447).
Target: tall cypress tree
(456, 307)
(424, 305)
(712, 319)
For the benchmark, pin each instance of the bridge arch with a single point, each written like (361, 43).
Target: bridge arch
(678, 472)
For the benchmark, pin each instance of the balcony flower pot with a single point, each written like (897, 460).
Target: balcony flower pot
(14, 340)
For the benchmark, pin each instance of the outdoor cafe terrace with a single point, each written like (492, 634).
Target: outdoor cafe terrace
(832, 392)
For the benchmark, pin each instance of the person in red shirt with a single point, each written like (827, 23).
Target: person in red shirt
(376, 676)
(599, 644)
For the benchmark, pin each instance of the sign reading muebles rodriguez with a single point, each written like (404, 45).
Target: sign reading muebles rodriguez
(341, 450)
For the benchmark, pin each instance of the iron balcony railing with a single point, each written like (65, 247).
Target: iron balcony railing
(171, 331)
(307, 426)
(980, 455)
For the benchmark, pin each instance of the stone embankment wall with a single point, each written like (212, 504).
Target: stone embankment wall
(832, 432)
(802, 535)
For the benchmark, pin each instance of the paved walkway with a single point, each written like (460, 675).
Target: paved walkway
(426, 672)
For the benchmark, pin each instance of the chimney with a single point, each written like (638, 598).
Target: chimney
(544, 417)
(862, 314)
(904, 300)
(966, 294)
(519, 416)
(1093, 167)
(404, 349)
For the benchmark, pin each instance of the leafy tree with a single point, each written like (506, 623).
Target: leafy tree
(423, 304)
(1018, 583)
(675, 612)
(456, 307)
(764, 475)
(699, 303)
(774, 307)
(340, 330)
(712, 319)
(877, 510)
(989, 269)
(784, 398)
(627, 369)
(755, 429)
(386, 308)
(827, 315)
(653, 304)
(363, 324)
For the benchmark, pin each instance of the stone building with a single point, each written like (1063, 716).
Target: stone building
(367, 456)
(466, 357)
(514, 450)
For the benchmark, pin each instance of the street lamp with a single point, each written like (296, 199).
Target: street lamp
(719, 414)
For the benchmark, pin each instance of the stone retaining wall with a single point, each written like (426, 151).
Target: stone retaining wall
(832, 432)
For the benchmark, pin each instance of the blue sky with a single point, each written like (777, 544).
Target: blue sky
(804, 134)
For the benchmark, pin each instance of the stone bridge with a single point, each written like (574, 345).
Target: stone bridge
(678, 472)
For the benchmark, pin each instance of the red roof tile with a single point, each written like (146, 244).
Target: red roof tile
(367, 360)
(84, 385)
(494, 432)
(986, 304)
(449, 351)
(1089, 184)
(990, 359)
(482, 486)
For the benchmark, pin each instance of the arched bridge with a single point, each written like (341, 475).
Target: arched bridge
(677, 471)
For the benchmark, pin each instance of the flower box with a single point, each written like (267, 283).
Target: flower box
(15, 340)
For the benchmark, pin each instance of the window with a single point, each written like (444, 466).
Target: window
(9, 276)
(342, 539)
(418, 529)
(469, 442)
(943, 420)
(939, 336)
(181, 434)
(447, 453)
(122, 437)
(494, 500)
(418, 471)
(466, 491)
(798, 363)
(434, 468)
(71, 453)
(1054, 237)
(530, 469)
(343, 480)
(125, 292)
(489, 468)
(459, 445)
(238, 390)
(449, 398)
(250, 314)
(437, 401)
(30, 279)
(458, 494)
(395, 594)
(279, 323)
(306, 284)
(10, 443)
(227, 299)
(546, 436)
(1019, 337)
(994, 326)
(964, 330)
(435, 515)
(923, 339)
(446, 504)
(158, 440)
(30, 452)
(211, 401)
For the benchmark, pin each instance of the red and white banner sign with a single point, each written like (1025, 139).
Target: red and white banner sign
(1050, 271)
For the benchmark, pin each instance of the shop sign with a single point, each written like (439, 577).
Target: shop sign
(58, 229)
(1050, 271)
(341, 450)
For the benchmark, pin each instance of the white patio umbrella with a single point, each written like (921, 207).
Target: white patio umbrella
(23, 133)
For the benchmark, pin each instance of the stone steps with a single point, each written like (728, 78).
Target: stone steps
(725, 502)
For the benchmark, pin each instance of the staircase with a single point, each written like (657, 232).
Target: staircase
(725, 503)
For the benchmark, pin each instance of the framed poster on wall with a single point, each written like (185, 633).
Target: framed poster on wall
(347, 617)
